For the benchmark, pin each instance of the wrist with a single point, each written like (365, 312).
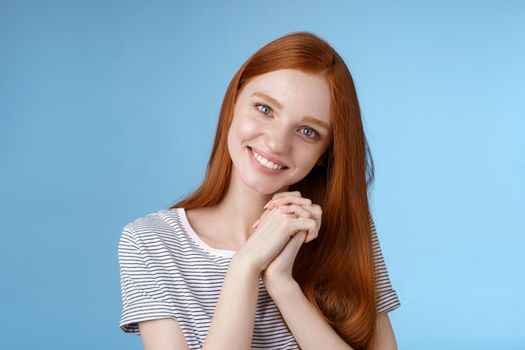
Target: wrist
(279, 288)
(242, 262)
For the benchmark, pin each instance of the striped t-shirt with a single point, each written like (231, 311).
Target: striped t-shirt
(168, 271)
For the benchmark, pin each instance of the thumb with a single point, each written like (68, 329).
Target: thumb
(295, 243)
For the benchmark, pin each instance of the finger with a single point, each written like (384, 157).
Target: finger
(286, 194)
(279, 195)
(264, 214)
(292, 247)
(296, 242)
(305, 224)
(300, 236)
(296, 209)
(313, 212)
(289, 200)
(308, 213)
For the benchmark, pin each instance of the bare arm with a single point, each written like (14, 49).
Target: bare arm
(162, 334)
(165, 334)
(233, 319)
(310, 329)
(385, 339)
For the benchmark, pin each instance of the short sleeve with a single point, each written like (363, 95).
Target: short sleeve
(142, 297)
(386, 296)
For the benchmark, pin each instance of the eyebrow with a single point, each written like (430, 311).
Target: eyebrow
(307, 118)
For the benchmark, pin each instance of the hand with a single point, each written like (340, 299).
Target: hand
(274, 229)
(280, 269)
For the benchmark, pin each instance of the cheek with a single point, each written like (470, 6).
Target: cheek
(245, 126)
(251, 126)
(308, 158)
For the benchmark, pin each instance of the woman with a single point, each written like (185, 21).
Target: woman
(276, 249)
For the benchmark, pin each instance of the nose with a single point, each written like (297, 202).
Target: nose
(278, 140)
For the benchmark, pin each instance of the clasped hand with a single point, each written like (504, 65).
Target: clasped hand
(287, 222)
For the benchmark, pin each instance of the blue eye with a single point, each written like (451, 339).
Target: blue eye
(267, 110)
(264, 107)
(312, 134)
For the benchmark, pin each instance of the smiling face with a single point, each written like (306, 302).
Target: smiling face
(281, 127)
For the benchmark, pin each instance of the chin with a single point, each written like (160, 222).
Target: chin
(266, 188)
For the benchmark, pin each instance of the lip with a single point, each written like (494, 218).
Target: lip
(260, 167)
(267, 156)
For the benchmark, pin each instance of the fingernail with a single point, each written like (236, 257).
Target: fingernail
(256, 222)
(267, 204)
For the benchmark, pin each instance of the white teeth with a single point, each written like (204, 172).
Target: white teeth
(265, 162)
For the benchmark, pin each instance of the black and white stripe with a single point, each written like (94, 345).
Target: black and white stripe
(387, 299)
(167, 271)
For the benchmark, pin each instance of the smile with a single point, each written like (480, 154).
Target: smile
(268, 164)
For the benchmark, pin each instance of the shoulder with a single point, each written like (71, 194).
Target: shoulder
(152, 228)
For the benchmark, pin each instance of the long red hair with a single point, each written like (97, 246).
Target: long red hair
(336, 270)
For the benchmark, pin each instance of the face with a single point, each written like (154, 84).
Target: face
(281, 127)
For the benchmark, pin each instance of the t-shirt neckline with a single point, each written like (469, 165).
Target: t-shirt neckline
(193, 235)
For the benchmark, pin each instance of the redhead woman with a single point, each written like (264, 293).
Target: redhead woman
(277, 248)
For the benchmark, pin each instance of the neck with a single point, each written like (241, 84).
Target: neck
(240, 208)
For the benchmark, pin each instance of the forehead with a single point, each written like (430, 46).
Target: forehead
(298, 92)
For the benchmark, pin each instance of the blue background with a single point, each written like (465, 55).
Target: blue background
(108, 112)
